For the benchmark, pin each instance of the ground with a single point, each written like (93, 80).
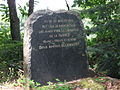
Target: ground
(94, 83)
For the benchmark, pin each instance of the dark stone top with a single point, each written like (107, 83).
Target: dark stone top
(54, 46)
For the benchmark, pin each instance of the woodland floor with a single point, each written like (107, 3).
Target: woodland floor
(95, 83)
(98, 82)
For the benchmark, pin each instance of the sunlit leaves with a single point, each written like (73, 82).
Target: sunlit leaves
(5, 12)
(105, 18)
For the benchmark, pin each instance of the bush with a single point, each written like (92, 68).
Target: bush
(11, 58)
(102, 20)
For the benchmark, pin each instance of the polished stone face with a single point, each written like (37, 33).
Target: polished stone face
(54, 46)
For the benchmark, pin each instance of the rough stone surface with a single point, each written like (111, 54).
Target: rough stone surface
(54, 46)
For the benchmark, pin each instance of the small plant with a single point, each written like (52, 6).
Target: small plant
(101, 79)
(27, 83)
(62, 87)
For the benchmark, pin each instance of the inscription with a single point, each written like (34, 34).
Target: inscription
(60, 45)
(59, 33)
(59, 40)
(58, 26)
(57, 21)
(58, 30)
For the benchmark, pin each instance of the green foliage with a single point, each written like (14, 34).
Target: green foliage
(104, 49)
(88, 83)
(23, 10)
(5, 12)
(23, 82)
(4, 34)
(11, 60)
(101, 79)
(91, 84)
(10, 55)
(11, 52)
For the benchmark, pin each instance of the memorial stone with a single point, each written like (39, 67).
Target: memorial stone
(54, 46)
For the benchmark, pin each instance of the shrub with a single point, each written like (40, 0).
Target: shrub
(11, 60)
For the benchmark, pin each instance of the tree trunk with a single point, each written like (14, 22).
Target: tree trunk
(31, 7)
(14, 20)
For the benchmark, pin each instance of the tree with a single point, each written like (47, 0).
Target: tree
(11, 54)
(104, 49)
(67, 5)
(14, 20)
(31, 7)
